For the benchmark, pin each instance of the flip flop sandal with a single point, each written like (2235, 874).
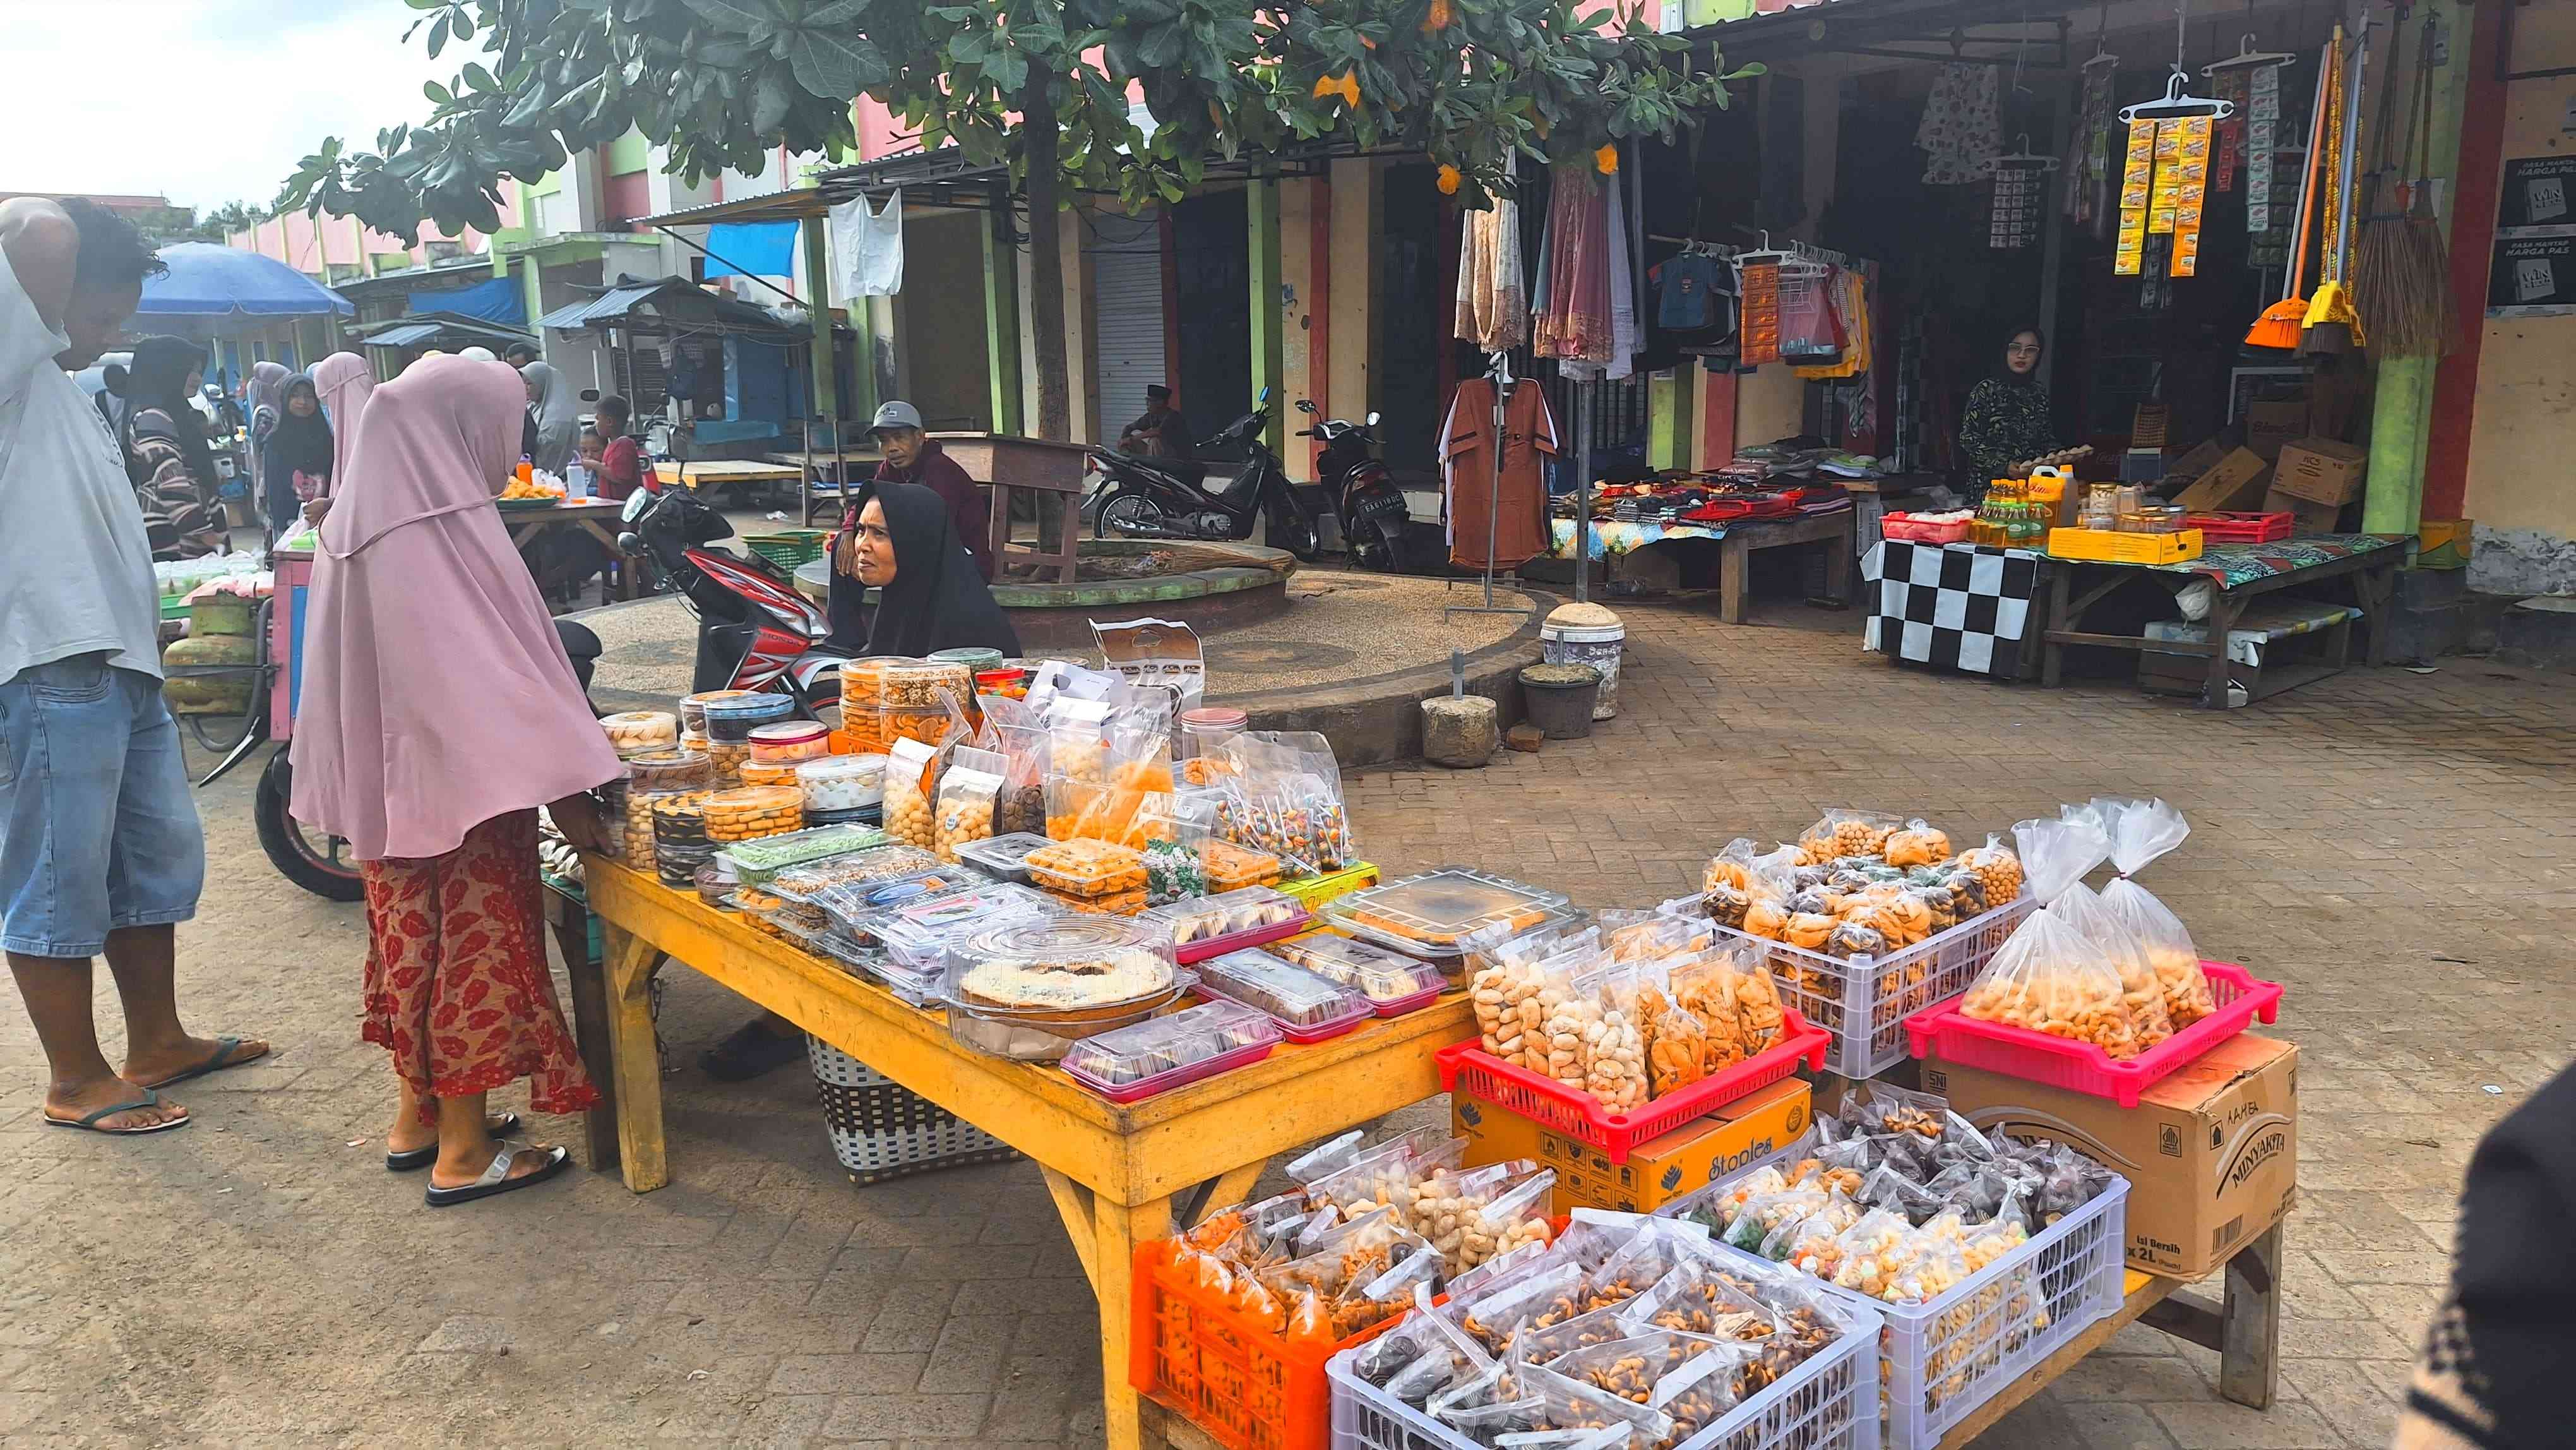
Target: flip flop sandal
(225, 1047)
(497, 1179)
(89, 1124)
(419, 1158)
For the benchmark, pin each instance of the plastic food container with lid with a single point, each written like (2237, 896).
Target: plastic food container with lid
(1231, 867)
(1433, 913)
(787, 741)
(753, 811)
(851, 904)
(664, 770)
(1306, 1007)
(1156, 1056)
(693, 709)
(633, 731)
(975, 658)
(863, 816)
(842, 782)
(1064, 972)
(1206, 732)
(1393, 983)
(1004, 858)
(1214, 925)
(760, 859)
(918, 933)
(733, 714)
(1082, 867)
(899, 683)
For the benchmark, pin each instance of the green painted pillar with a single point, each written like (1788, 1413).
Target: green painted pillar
(1269, 367)
(2402, 409)
(1002, 313)
(1669, 417)
(822, 359)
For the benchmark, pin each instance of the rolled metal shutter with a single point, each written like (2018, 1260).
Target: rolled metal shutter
(1127, 305)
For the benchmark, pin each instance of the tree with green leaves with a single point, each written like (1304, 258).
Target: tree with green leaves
(1042, 85)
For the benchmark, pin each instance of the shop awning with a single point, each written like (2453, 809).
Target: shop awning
(665, 301)
(429, 328)
(495, 299)
(2033, 32)
(409, 334)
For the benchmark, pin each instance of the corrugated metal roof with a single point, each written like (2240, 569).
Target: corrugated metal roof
(608, 306)
(405, 335)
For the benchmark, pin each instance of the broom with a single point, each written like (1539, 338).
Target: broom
(2402, 270)
(2332, 324)
(2279, 325)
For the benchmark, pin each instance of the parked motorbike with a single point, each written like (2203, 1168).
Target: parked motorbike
(1372, 509)
(1154, 498)
(755, 632)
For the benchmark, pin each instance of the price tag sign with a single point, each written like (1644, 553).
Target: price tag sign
(2534, 193)
(2533, 276)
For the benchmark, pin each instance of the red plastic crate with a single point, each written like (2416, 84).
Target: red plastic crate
(1577, 1114)
(1906, 529)
(1245, 1385)
(2240, 528)
(2082, 1067)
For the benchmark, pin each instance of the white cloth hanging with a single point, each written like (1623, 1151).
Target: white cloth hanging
(1623, 289)
(867, 247)
(1962, 128)
(1493, 299)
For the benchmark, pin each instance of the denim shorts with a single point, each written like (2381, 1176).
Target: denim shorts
(97, 827)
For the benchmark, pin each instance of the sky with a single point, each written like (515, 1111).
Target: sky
(202, 101)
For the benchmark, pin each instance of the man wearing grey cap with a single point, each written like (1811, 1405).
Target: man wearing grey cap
(912, 458)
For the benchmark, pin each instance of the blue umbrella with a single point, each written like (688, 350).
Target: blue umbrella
(207, 279)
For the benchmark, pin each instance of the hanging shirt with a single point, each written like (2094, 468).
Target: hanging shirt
(1518, 525)
(1686, 293)
(868, 246)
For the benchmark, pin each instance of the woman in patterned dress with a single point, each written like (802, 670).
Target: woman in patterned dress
(2006, 422)
(438, 712)
(166, 453)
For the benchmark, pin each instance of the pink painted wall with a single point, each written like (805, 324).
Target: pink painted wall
(308, 243)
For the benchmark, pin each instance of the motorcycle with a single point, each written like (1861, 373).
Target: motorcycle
(755, 632)
(1152, 498)
(1372, 509)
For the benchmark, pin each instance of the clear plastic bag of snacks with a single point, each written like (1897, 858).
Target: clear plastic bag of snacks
(1546, 1290)
(1917, 843)
(1015, 732)
(1285, 797)
(2050, 978)
(1730, 991)
(968, 790)
(1687, 1378)
(1842, 831)
(1572, 1404)
(1483, 1407)
(1424, 1357)
(2056, 854)
(2142, 831)
(1174, 828)
(911, 767)
(1731, 866)
(2084, 910)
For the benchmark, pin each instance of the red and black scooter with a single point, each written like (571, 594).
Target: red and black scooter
(755, 632)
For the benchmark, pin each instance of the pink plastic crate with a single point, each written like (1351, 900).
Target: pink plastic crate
(1192, 953)
(1905, 528)
(1163, 1082)
(2082, 1067)
(1467, 1067)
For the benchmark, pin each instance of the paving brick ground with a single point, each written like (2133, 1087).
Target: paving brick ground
(2397, 848)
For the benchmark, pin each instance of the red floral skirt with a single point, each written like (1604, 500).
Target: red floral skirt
(457, 984)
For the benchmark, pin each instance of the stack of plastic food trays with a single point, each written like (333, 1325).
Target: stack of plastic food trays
(757, 860)
(1030, 989)
(680, 844)
(653, 774)
(1393, 982)
(842, 788)
(1094, 876)
(1211, 926)
(1431, 915)
(1004, 858)
(916, 935)
(1152, 1057)
(1306, 1007)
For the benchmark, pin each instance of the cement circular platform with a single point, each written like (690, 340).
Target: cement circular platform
(1208, 586)
(1347, 654)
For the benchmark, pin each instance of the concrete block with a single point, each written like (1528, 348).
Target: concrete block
(1460, 731)
(2538, 634)
(2430, 588)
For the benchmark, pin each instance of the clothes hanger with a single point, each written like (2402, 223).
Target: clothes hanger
(2177, 101)
(2247, 55)
(2025, 158)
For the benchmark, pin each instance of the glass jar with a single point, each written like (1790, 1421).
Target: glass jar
(789, 741)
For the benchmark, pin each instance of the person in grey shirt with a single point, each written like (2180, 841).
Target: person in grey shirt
(100, 847)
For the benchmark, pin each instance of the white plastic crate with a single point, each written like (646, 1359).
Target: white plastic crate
(1823, 1404)
(881, 1130)
(1864, 1001)
(1941, 1360)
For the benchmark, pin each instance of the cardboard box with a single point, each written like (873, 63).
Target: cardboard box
(2305, 517)
(2321, 470)
(2445, 543)
(2199, 459)
(2231, 483)
(2269, 425)
(1657, 1171)
(2211, 1153)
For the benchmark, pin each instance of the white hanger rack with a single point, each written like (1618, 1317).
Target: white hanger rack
(2247, 55)
(2177, 101)
(2025, 159)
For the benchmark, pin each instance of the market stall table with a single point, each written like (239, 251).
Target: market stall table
(2242, 574)
(1038, 467)
(1736, 543)
(527, 518)
(1119, 1175)
(707, 474)
(1970, 607)
(823, 475)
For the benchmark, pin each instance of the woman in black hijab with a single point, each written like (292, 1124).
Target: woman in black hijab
(2007, 420)
(301, 443)
(932, 597)
(167, 457)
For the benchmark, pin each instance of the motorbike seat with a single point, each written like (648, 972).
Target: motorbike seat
(1189, 472)
(582, 646)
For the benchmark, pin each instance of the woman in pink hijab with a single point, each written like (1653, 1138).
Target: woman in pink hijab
(343, 382)
(438, 712)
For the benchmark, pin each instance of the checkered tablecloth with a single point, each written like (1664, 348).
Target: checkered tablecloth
(1960, 606)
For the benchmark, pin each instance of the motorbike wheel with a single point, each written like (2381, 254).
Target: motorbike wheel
(1127, 514)
(304, 857)
(1290, 530)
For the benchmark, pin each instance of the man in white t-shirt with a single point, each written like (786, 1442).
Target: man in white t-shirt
(100, 849)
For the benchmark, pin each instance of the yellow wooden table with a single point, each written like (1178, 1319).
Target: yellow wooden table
(1119, 1175)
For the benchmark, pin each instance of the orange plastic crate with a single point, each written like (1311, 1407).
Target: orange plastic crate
(1246, 1386)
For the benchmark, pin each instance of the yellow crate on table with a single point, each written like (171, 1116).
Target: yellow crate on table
(1316, 890)
(2106, 546)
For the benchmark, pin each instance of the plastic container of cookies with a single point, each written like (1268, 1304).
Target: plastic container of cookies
(693, 709)
(890, 862)
(1306, 1007)
(1211, 926)
(1432, 914)
(756, 861)
(768, 772)
(637, 732)
(1082, 867)
(732, 715)
(1393, 983)
(1231, 867)
(919, 932)
(842, 783)
(1066, 972)
(669, 770)
(1156, 1056)
(753, 811)
(789, 741)
(1004, 858)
